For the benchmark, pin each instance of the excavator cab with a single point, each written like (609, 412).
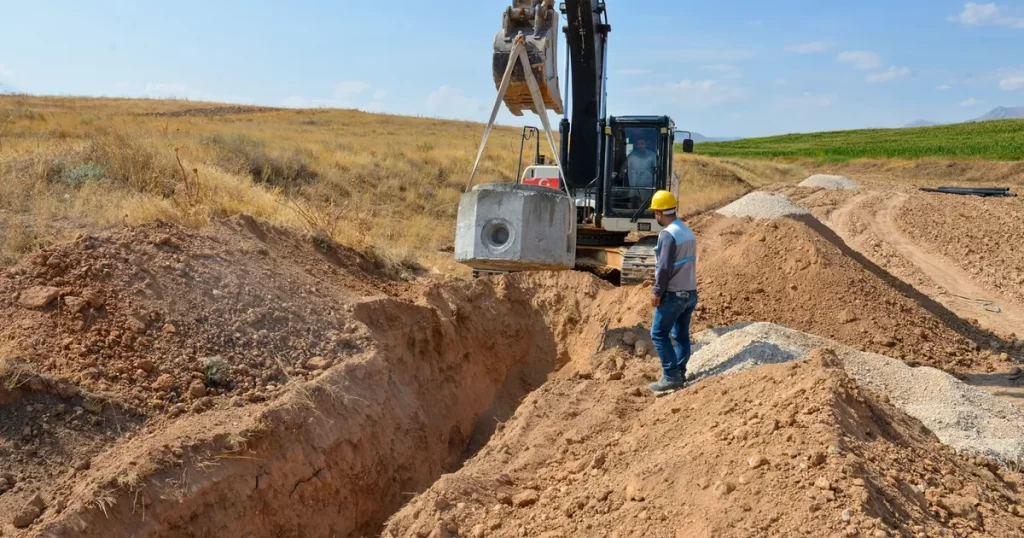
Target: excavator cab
(639, 159)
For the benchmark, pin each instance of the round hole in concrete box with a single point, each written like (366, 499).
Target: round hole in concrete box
(498, 235)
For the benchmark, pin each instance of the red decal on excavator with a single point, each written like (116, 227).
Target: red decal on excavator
(549, 182)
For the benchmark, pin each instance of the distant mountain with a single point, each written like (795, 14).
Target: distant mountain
(697, 137)
(1003, 113)
(998, 113)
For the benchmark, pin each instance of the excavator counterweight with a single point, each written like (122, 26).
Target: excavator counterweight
(537, 20)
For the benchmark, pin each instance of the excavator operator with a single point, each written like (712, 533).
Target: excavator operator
(675, 292)
(640, 166)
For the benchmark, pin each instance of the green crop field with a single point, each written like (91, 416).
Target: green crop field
(995, 140)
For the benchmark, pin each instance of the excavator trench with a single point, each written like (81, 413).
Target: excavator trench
(337, 456)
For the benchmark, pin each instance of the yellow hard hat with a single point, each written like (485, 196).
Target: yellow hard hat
(663, 200)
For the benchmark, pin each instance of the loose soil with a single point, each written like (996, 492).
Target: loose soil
(981, 236)
(152, 373)
(797, 272)
(875, 223)
(785, 450)
(970, 420)
(247, 380)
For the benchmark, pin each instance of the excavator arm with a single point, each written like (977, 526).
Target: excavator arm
(537, 21)
(586, 33)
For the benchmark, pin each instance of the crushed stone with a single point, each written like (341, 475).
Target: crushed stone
(830, 182)
(763, 205)
(963, 417)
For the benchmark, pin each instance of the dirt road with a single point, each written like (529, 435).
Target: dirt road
(875, 213)
(869, 223)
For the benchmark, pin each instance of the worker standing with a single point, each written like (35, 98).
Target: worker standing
(675, 292)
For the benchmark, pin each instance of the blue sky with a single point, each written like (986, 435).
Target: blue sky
(735, 68)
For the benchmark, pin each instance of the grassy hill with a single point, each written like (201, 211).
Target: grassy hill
(996, 140)
(388, 185)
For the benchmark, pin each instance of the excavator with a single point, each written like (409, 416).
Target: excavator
(612, 165)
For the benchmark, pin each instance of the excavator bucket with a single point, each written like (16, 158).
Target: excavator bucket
(537, 20)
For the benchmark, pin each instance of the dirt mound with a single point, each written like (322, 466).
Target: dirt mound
(762, 205)
(966, 418)
(981, 235)
(785, 450)
(798, 273)
(156, 316)
(830, 182)
(107, 338)
(244, 379)
(153, 372)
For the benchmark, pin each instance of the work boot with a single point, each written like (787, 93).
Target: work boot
(666, 385)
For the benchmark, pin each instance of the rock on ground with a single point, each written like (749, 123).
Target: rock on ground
(38, 296)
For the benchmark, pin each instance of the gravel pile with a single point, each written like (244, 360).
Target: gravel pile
(763, 205)
(828, 182)
(961, 416)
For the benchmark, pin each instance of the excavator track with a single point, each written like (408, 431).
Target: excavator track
(639, 262)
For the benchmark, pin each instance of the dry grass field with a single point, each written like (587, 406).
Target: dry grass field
(386, 184)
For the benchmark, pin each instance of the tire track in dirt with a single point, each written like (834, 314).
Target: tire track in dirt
(950, 285)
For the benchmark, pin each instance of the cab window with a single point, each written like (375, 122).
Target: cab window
(635, 169)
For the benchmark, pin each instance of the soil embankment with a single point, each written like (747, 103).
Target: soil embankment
(245, 380)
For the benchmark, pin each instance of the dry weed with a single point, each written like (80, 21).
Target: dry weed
(387, 184)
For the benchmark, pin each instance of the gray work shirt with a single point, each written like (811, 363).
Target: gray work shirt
(668, 277)
(641, 169)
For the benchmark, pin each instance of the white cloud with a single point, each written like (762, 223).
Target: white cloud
(1012, 79)
(892, 73)
(1012, 83)
(721, 68)
(725, 70)
(861, 59)
(808, 48)
(632, 72)
(351, 88)
(177, 90)
(975, 14)
(297, 101)
(6, 73)
(347, 94)
(970, 102)
(709, 55)
(693, 94)
(807, 101)
(781, 82)
(448, 102)
(944, 87)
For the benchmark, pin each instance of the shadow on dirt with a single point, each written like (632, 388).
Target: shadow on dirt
(982, 339)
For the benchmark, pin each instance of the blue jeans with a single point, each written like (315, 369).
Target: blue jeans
(672, 322)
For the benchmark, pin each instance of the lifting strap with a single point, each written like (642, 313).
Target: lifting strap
(519, 53)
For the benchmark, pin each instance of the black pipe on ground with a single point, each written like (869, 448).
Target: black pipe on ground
(972, 191)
